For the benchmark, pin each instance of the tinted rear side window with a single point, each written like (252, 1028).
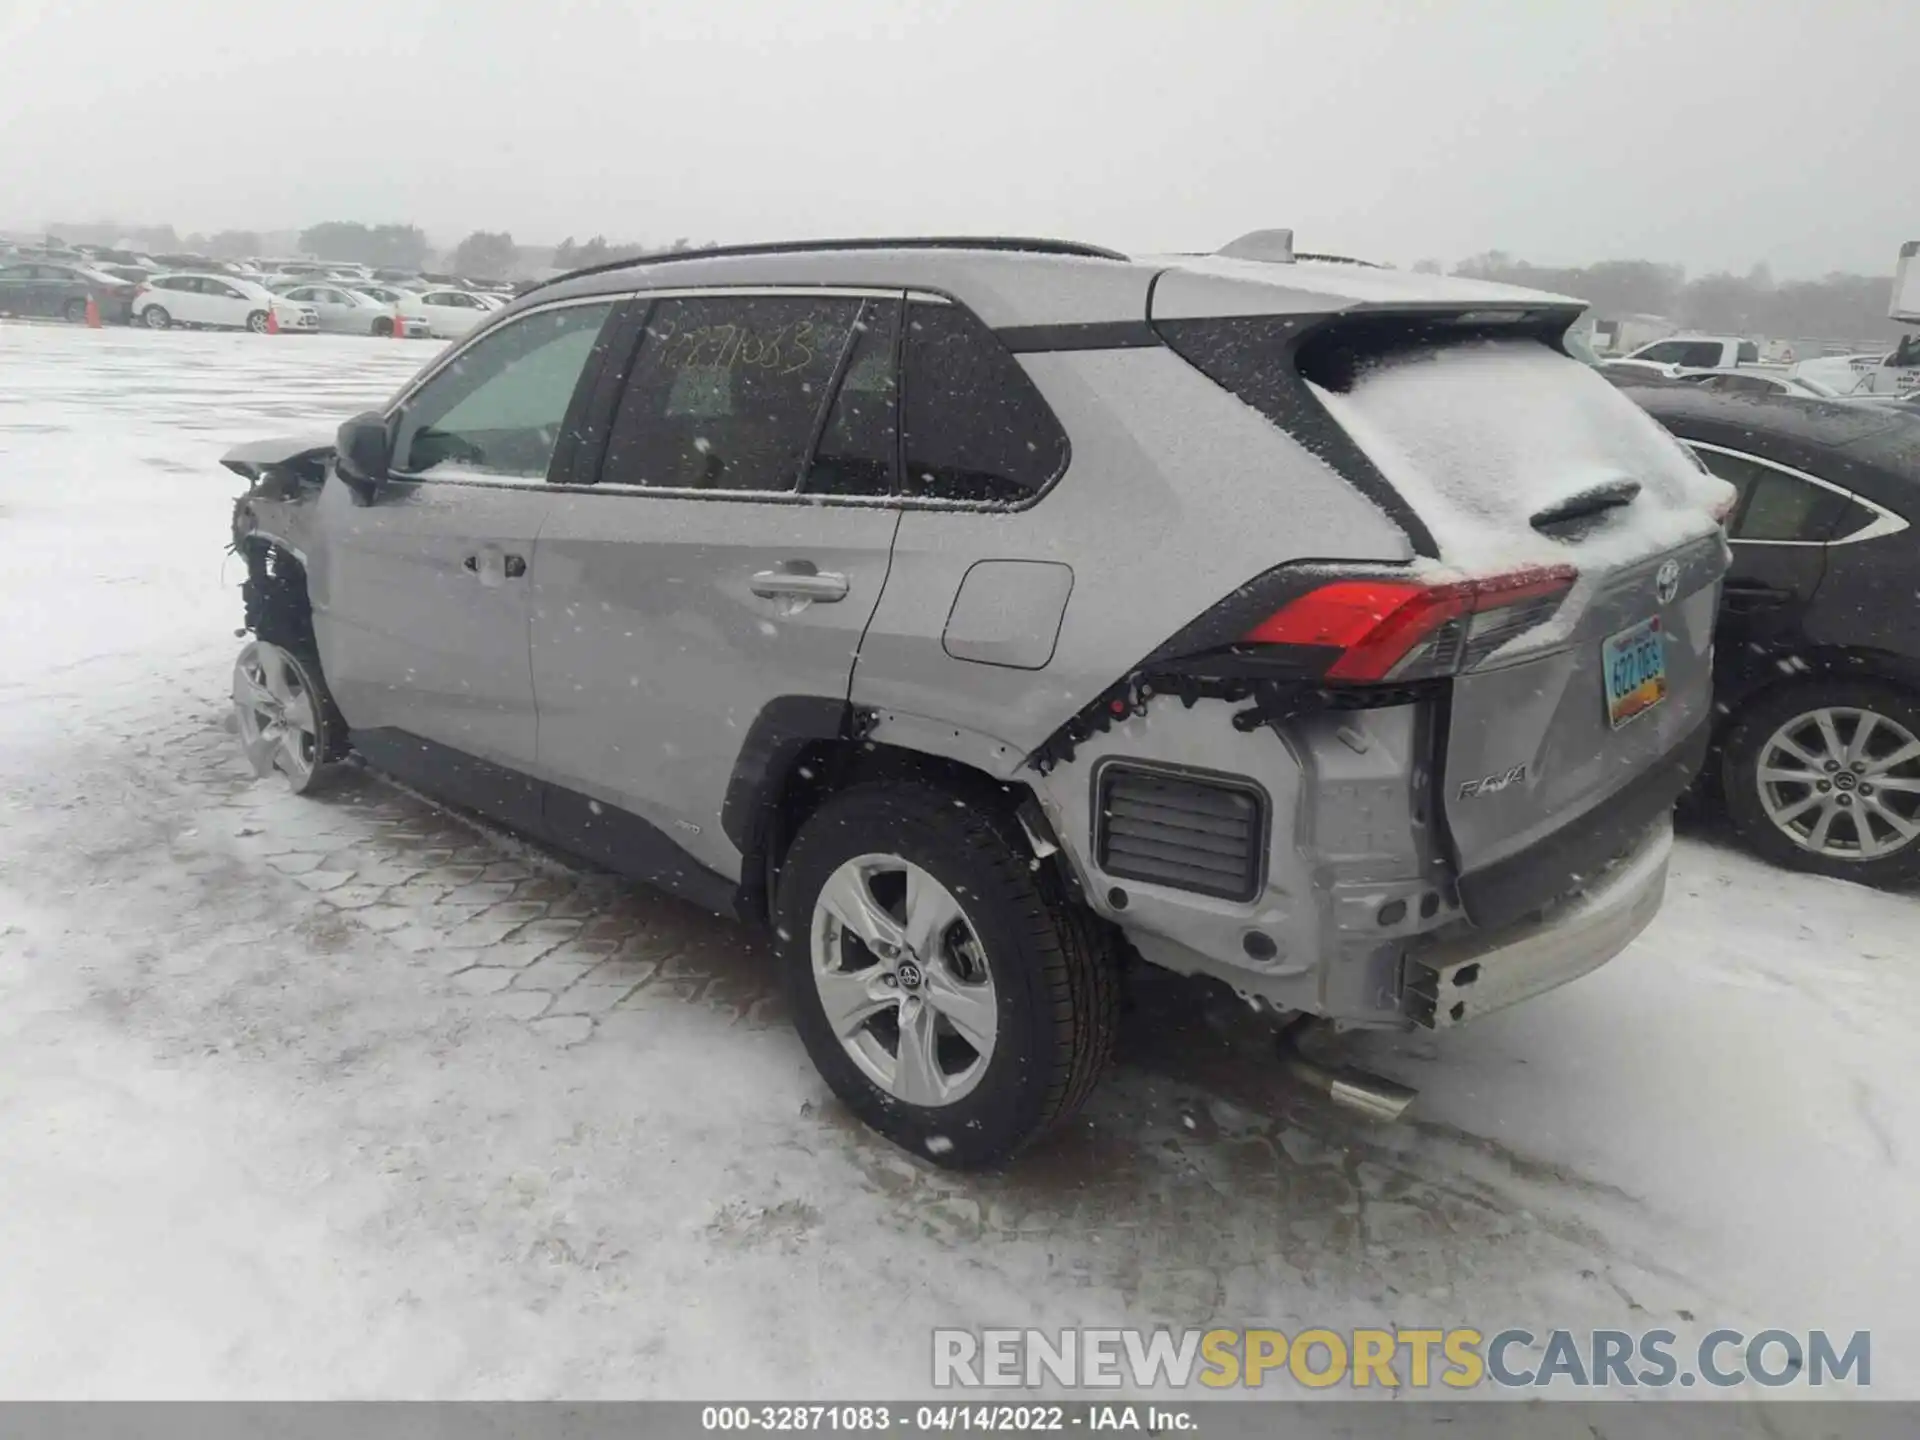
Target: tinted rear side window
(974, 427)
(724, 392)
(859, 444)
(1774, 505)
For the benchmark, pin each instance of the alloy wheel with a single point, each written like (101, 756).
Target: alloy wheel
(278, 715)
(1842, 782)
(903, 980)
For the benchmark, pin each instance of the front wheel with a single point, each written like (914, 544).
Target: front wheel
(155, 318)
(76, 312)
(286, 719)
(948, 998)
(257, 322)
(1825, 778)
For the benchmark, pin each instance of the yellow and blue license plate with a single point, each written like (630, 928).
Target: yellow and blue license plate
(1635, 664)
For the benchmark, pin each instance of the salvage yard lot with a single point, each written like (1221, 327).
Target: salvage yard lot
(350, 1097)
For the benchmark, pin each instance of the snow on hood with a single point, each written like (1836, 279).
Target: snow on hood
(1479, 437)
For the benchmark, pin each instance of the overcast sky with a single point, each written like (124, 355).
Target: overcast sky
(1713, 134)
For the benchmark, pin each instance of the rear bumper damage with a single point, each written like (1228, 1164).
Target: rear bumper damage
(1453, 981)
(1356, 913)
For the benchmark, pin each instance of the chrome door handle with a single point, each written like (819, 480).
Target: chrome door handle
(799, 585)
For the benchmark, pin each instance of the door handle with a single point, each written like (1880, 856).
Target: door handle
(511, 566)
(1753, 595)
(824, 587)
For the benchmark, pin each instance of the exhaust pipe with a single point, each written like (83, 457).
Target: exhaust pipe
(1351, 1088)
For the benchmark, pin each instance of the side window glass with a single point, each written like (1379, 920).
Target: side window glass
(860, 442)
(1661, 354)
(1748, 353)
(1701, 352)
(1852, 518)
(1783, 508)
(725, 391)
(1774, 505)
(499, 406)
(973, 426)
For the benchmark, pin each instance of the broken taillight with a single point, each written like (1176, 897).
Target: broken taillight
(1394, 628)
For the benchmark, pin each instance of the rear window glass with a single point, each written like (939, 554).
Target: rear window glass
(974, 426)
(1478, 436)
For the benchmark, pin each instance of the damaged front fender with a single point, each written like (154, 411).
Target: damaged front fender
(283, 476)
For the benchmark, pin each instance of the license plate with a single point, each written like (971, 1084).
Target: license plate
(1635, 664)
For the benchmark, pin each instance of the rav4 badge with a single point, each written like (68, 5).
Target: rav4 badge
(1491, 784)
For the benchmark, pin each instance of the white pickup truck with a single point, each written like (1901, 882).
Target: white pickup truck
(1698, 352)
(1897, 372)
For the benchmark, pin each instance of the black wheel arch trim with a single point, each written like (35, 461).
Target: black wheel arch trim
(785, 726)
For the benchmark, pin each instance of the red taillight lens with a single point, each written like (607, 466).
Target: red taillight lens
(1391, 629)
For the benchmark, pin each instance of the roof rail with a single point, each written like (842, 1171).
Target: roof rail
(1339, 260)
(799, 247)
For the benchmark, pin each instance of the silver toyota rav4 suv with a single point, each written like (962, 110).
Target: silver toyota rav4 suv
(987, 616)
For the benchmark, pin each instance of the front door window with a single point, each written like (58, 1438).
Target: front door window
(498, 407)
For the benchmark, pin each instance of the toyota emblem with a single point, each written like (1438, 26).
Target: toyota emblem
(1666, 582)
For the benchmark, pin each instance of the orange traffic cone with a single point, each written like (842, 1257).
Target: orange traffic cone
(273, 321)
(399, 324)
(93, 313)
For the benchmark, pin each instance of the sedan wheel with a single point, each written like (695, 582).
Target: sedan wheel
(76, 312)
(1842, 782)
(155, 317)
(257, 322)
(1829, 780)
(283, 716)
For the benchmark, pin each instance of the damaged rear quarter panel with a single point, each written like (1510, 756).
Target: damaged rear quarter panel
(1352, 868)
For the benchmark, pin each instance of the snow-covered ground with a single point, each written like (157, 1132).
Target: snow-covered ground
(344, 1097)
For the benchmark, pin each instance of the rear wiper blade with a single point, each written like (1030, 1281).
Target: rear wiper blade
(1585, 505)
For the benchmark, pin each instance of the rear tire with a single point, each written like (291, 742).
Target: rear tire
(1027, 958)
(1872, 799)
(155, 317)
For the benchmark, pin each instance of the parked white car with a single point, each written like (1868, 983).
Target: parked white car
(452, 313)
(223, 301)
(415, 324)
(346, 310)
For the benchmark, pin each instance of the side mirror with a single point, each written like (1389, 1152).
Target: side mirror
(362, 453)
